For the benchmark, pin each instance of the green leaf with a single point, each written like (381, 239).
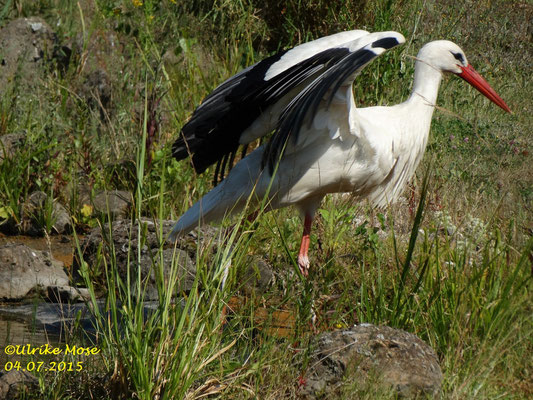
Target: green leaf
(5, 212)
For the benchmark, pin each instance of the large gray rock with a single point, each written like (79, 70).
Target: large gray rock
(115, 203)
(119, 243)
(35, 214)
(123, 245)
(23, 270)
(101, 56)
(25, 44)
(10, 144)
(258, 276)
(96, 89)
(67, 294)
(17, 384)
(350, 360)
(184, 278)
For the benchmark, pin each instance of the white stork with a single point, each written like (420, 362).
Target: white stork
(321, 143)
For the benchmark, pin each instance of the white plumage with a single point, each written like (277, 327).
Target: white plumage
(322, 143)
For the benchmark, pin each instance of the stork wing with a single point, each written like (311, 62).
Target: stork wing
(324, 87)
(234, 113)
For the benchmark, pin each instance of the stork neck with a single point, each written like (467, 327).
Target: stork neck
(425, 86)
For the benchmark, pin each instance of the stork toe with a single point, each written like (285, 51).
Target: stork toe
(303, 264)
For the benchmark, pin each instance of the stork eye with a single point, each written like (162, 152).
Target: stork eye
(458, 56)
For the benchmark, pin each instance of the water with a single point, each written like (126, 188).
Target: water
(17, 327)
(61, 247)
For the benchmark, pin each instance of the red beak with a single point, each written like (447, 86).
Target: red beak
(470, 75)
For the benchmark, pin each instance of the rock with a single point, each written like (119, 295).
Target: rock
(96, 90)
(208, 235)
(10, 143)
(78, 190)
(23, 270)
(17, 384)
(356, 356)
(100, 55)
(67, 294)
(258, 275)
(25, 43)
(35, 216)
(115, 203)
(184, 278)
(62, 223)
(125, 243)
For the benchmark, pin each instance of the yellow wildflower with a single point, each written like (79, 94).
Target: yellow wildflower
(86, 210)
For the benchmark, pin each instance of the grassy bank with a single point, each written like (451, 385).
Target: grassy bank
(457, 274)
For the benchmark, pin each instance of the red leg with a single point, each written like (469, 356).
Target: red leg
(303, 259)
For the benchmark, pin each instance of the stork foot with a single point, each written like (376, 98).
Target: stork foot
(303, 264)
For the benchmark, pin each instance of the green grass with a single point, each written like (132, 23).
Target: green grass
(455, 269)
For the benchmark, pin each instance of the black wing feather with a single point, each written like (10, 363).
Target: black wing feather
(215, 128)
(309, 99)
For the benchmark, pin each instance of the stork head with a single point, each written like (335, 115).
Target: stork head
(446, 56)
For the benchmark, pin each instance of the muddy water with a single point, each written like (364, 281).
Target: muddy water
(19, 333)
(61, 247)
(278, 323)
(14, 331)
